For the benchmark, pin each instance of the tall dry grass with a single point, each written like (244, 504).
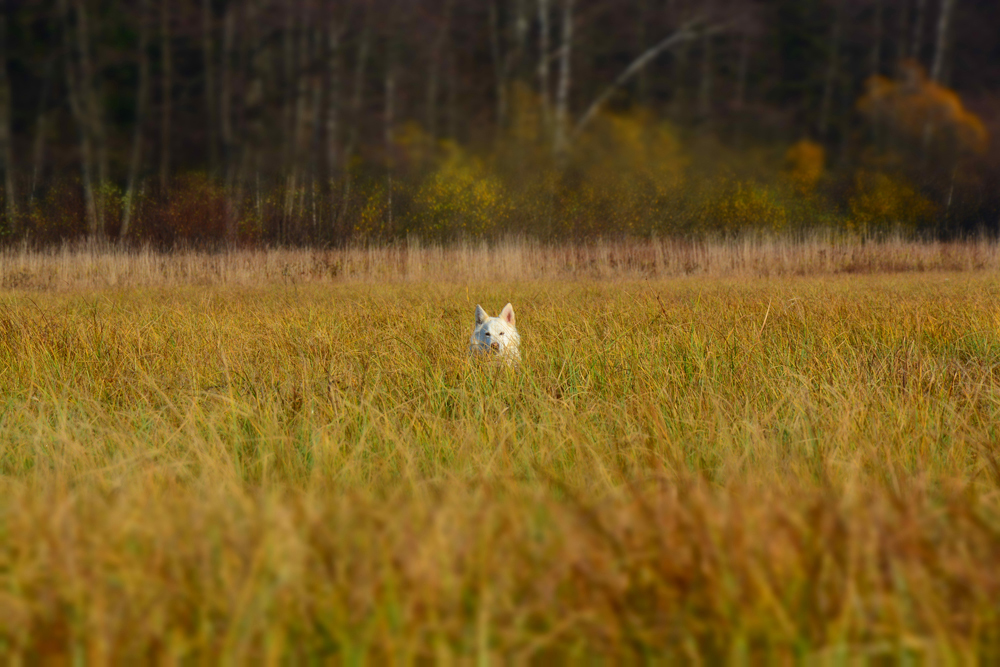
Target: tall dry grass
(245, 466)
(95, 265)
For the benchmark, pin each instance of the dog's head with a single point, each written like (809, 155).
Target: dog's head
(496, 335)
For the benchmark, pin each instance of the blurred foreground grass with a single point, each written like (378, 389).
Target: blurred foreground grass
(698, 469)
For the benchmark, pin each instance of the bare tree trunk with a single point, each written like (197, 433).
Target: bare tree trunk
(561, 144)
(504, 63)
(452, 95)
(298, 87)
(679, 95)
(434, 74)
(941, 43)
(356, 102)
(225, 84)
(739, 101)
(168, 84)
(226, 115)
(498, 68)
(917, 42)
(246, 154)
(93, 111)
(706, 77)
(76, 104)
(314, 142)
(543, 66)
(335, 32)
(6, 138)
(902, 32)
(642, 83)
(208, 53)
(390, 119)
(876, 65)
(832, 69)
(940, 47)
(288, 106)
(519, 27)
(515, 55)
(141, 104)
(288, 81)
(41, 130)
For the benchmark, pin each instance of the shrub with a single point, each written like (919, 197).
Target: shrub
(740, 206)
(461, 197)
(882, 202)
(804, 166)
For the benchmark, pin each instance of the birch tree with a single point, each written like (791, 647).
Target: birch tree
(314, 135)
(94, 111)
(434, 71)
(451, 95)
(357, 98)
(6, 138)
(941, 41)
(642, 84)
(543, 66)
(876, 57)
(499, 74)
(141, 105)
(295, 103)
(41, 131)
(226, 114)
(335, 62)
(917, 41)
(706, 76)
(208, 55)
(506, 60)
(937, 69)
(742, 67)
(389, 119)
(832, 68)
(561, 140)
(77, 95)
(167, 88)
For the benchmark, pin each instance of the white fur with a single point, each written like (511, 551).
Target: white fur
(496, 336)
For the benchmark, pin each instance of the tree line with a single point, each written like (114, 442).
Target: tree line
(310, 121)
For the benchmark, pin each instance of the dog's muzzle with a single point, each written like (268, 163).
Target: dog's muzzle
(494, 347)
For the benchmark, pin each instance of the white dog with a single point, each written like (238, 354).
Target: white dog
(496, 335)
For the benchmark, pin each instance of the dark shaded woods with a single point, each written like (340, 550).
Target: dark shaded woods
(309, 122)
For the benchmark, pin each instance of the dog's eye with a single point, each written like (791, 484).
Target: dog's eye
(501, 333)
(487, 334)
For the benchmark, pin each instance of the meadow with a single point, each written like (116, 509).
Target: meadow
(727, 451)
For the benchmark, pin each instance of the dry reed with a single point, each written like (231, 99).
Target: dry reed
(231, 461)
(97, 266)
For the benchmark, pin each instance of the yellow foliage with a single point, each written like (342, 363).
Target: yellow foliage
(805, 161)
(462, 195)
(881, 202)
(629, 166)
(916, 105)
(635, 147)
(746, 206)
(371, 221)
(414, 142)
(526, 118)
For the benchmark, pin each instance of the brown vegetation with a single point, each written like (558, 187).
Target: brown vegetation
(241, 456)
(84, 266)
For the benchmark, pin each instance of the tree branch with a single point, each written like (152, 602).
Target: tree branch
(685, 33)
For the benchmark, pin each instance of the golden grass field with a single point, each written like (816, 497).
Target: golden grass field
(786, 453)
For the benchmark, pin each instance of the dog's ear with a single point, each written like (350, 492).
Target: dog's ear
(507, 314)
(480, 314)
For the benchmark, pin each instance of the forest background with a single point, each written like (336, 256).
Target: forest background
(301, 122)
